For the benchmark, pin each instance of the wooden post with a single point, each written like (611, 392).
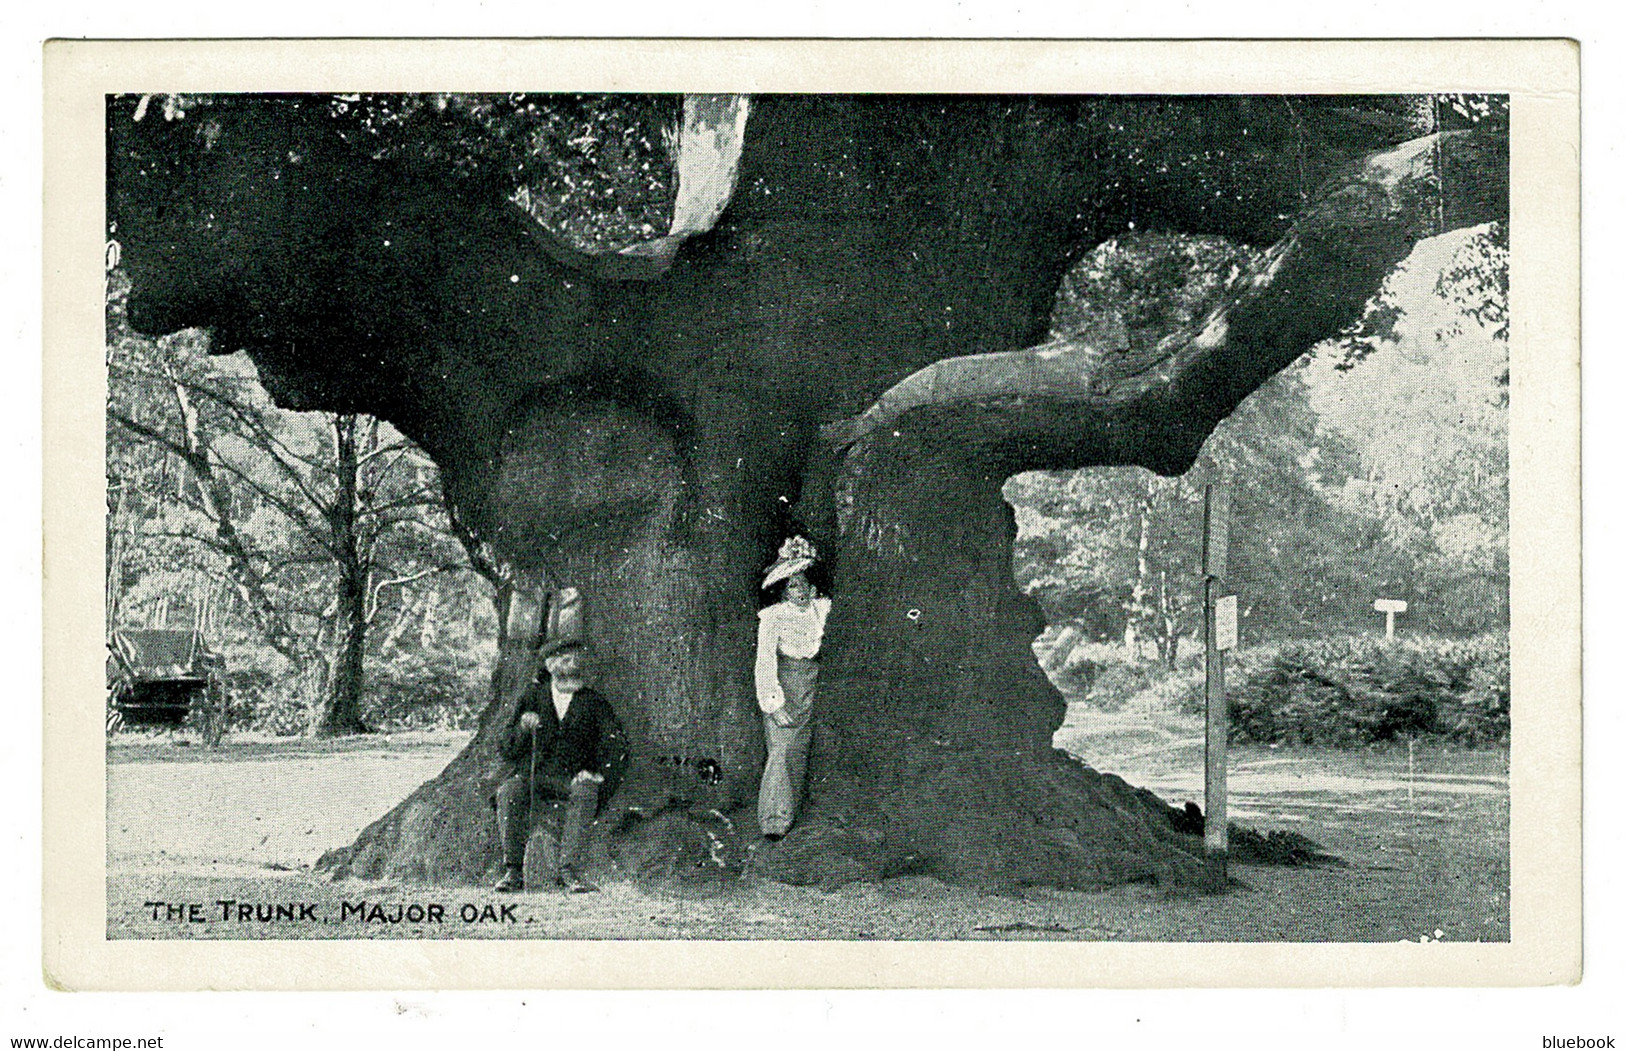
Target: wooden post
(1215, 549)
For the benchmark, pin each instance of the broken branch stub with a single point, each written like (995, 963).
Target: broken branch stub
(709, 145)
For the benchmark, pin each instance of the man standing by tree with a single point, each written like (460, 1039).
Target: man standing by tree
(566, 746)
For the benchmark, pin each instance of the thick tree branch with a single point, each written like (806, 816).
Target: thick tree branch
(1060, 405)
(416, 500)
(279, 454)
(203, 467)
(396, 581)
(251, 421)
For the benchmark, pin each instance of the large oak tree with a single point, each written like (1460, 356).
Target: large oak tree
(836, 325)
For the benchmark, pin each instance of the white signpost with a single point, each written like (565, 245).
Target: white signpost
(1390, 606)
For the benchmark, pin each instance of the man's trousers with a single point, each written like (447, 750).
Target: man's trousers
(577, 799)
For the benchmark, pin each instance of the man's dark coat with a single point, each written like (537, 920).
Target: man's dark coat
(589, 738)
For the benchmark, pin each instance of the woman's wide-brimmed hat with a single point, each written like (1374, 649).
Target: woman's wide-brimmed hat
(795, 555)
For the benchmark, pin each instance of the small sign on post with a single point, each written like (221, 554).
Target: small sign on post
(1390, 606)
(1224, 623)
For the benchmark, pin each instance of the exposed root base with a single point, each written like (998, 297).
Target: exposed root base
(991, 821)
(661, 823)
(995, 821)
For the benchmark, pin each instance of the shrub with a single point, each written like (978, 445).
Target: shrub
(283, 714)
(264, 700)
(1181, 691)
(1119, 682)
(406, 692)
(1075, 676)
(419, 691)
(1361, 690)
(1481, 712)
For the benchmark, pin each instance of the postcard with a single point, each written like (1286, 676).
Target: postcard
(625, 513)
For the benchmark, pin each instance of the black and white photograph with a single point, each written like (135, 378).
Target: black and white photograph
(1031, 516)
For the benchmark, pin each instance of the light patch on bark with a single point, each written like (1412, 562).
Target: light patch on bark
(1405, 161)
(709, 146)
(708, 159)
(1212, 335)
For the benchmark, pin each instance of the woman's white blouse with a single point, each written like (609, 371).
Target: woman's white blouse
(795, 631)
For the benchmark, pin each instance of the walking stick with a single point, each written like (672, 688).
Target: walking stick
(530, 818)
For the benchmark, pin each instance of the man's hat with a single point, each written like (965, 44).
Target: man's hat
(562, 644)
(795, 555)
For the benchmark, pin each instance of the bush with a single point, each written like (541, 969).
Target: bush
(1361, 690)
(405, 692)
(1119, 682)
(1185, 690)
(263, 699)
(421, 691)
(281, 715)
(1108, 678)
(1481, 713)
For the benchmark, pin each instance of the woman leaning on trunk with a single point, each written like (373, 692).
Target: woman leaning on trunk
(788, 639)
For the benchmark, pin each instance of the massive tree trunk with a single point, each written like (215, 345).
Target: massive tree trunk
(935, 720)
(839, 355)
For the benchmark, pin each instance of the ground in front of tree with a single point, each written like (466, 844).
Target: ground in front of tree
(1423, 834)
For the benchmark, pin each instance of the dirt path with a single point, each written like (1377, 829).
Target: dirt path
(1425, 842)
(255, 804)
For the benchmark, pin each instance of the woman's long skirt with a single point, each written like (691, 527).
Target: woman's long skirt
(787, 746)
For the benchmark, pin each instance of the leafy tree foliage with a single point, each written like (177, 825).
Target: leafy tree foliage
(596, 169)
(1429, 413)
